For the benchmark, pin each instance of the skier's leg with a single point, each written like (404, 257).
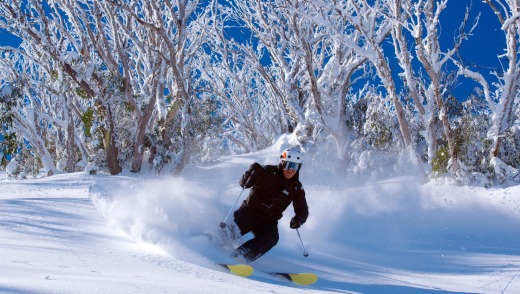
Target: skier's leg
(244, 220)
(266, 237)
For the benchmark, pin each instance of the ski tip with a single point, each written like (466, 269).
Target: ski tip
(304, 279)
(242, 270)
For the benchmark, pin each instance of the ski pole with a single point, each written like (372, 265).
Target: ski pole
(223, 223)
(305, 253)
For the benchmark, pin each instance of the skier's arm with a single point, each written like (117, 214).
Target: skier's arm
(252, 176)
(301, 209)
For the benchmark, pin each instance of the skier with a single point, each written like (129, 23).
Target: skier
(273, 188)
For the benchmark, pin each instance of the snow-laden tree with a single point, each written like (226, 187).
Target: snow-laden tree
(132, 71)
(236, 70)
(501, 96)
(8, 138)
(132, 50)
(110, 80)
(46, 109)
(28, 107)
(52, 39)
(421, 21)
(123, 58)
(337, 68)
(306, 71)
(249, 120)
(173, 31)
(402, 47)
(366, 18)
(273, 50)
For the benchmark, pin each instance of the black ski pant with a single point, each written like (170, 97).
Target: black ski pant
(265, 232)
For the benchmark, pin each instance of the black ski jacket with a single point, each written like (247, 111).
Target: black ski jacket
(271, 193)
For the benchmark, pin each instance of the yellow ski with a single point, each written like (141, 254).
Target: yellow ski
(304, 279)
(243, 270)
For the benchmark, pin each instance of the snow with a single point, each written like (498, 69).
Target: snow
(508, 22)
(136, 233)
(6, 89)
(11, 166)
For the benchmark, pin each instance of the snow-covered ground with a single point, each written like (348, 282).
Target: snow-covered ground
(73, 233)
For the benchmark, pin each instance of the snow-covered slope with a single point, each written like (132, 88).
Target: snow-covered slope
(132, 233)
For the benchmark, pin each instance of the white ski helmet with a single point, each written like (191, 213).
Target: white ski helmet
(292, 156)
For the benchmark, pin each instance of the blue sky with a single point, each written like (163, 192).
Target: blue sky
(481, 49)
(488, 40)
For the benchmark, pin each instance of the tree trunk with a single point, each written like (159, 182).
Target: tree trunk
(451, 141)
(38, 142)
(385, 74)
(186, 137)
(435, 76)
(112, 153)
(138, 152)
(405, 61)
(72, 156)
(185, 156)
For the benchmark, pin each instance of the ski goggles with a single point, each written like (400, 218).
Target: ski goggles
(288, 165)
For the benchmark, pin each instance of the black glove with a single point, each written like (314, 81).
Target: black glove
(247, 180)
(296, 222)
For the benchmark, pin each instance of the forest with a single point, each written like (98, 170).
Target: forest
(115, 85)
